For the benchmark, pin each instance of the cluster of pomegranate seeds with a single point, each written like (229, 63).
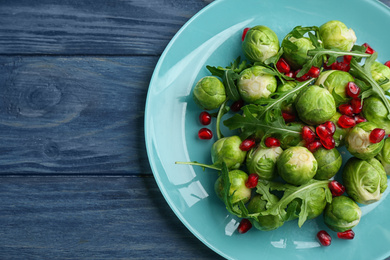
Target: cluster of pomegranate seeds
(244, 226)
(244, 33)
(369, 50)
(336, 188)
(324, 238)
(252, 181)
(340, 65)
(377, 135)
(322, 136)
(247, 144)
(349, 234)
(387, 63)
(237, 105)
(205, 134)
(204, 118)
(285, 68)
(271, 142)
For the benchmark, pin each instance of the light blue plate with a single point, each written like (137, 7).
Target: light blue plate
(213, 37)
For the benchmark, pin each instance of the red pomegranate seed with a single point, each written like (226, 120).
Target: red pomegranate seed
(336, 188)
(369, 50)
(290, 74)
(252, 181)
(283, 66)
(356, 104)
(313, 72)
(244, 33)
(324, 238)
(352, 89)
(349, 234)
(323, 132)
(387, 63)
(359, 119)
(377, 135)
(205, 134)
(244, 226)
(338, 65)
(331, 126)
(301, 78)
(247, 144)
(346, 109)
(237, 105)
(271, 141)
(328, 142)
(205, 118)
(307, 134)
(347, 59)
(313, 146)
(346, 121)
(288, 117)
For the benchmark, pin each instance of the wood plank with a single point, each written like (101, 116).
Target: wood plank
(128, 27)
(91, 218)
(75, 115)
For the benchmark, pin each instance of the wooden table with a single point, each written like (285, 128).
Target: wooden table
(75, 180)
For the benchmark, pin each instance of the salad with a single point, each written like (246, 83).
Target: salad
(291, 105)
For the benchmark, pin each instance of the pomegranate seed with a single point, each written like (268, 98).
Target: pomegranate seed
(313, 72)
(252, 181)
(283, 66)
(313, 146)
(346, 121)
(323, 132)
(352, 89)
(328, 142)
(272, 141)
(336, 188)
(290, 74)
(244, 226)
(349, 234)
(359, 119)
(324, 238)
(387, 63)
(237, 105)
(347, 59)
(204, 118)
(377, 135)
(205, 134)
(301, 78)
(247, 144)
(307, 134)
(338, 65)
(244, 33)
(331, 126)
(346, 109)
(356, 104)
(288, 117)
(369, 50)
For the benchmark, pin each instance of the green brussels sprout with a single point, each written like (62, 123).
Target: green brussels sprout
(358, 142)
(335, 82)
(228, 150)
(209, 93)
(260, 43)
(381, 72)
(262, 161)
(335, 34)
(288, 106)
(340, 133)
(364, 180)
(253, 83)
(329, 163)
(238, 189)
(375, 111)
(297, 165)
(295, 51)
(384, 156)
(266, 222)
(315, 105)
(342, 214)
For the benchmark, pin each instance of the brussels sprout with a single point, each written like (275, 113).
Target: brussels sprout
(266, 222)
(329, 163)
(295, 51)
(262, 161)
(358, 142)
(260, 43)
(342, 214)
(364, 180)
(384, 156)
(238, 189)
(228, 150)
(375, 111)
(297, 165)
(315, 105)
(209, 93)
(253, 83)
(340, 133)
(335, 34)
(335, 82)
(381, 72)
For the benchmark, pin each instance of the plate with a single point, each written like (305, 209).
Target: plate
(213, 37)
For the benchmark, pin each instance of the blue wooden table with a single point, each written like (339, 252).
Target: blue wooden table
(75, 181)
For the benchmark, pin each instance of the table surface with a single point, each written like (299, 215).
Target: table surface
(75, 181)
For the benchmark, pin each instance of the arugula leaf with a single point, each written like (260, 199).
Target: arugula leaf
(237, 66)
(223, 109)
(229, 77)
